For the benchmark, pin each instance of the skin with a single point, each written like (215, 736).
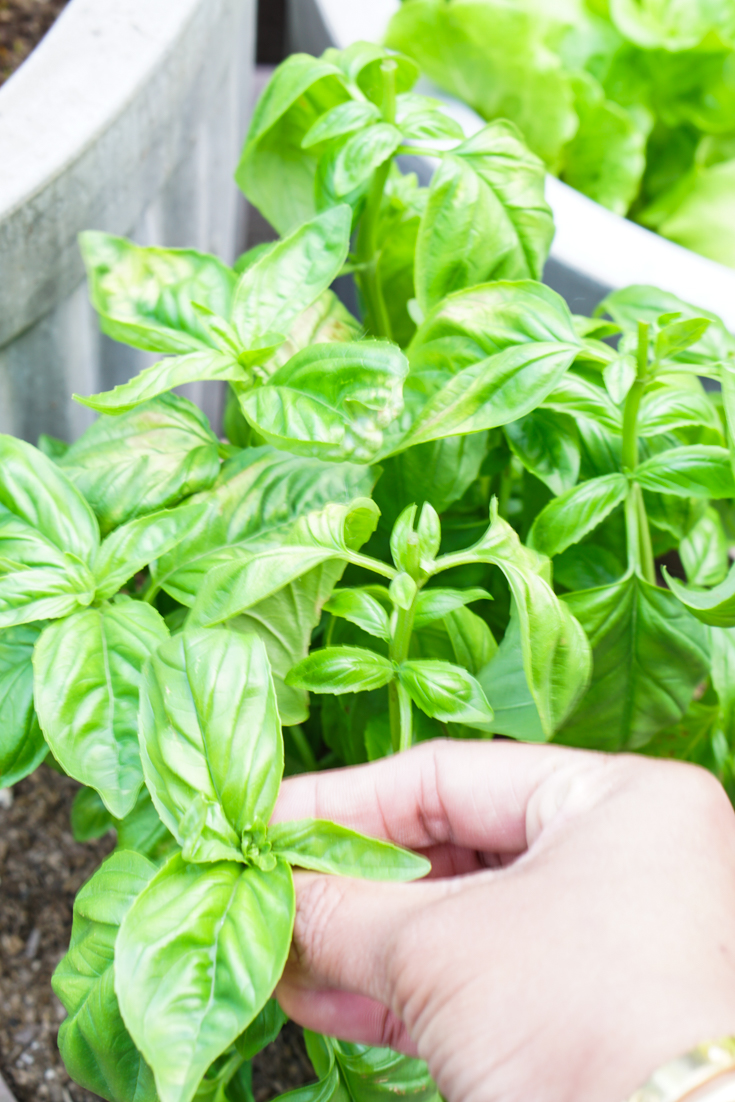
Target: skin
(576, 933)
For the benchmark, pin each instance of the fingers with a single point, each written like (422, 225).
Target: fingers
(350, 1017)
(346, 932)
(470, 794)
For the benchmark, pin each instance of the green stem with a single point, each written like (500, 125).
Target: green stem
(638, 535)
(399, 702)
(150, 592)
(367, 252)
(305, 751)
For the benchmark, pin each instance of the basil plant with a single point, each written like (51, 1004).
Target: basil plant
(468, 513)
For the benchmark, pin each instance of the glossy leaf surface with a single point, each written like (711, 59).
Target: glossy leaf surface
(198, 956)
(714, 606)
(210, 740)
(445, 692)
(342, 670)
(570, 517)
(330, 848)
(87, 676)
(22, 745)
(139, 542)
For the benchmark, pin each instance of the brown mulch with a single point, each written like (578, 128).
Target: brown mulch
(41, 870)
(23, 23)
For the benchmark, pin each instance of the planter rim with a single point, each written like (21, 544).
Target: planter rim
(605, 247)
(48, 117)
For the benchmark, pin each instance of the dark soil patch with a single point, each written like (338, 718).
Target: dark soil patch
(41, 870)
(23, 23)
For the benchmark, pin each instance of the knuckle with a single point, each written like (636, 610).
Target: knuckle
(318, 903)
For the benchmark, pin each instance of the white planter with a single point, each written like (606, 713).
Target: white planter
(594, 250)
(129, 118)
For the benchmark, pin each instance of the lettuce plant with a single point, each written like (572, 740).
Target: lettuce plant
(631, 102)
(470, 513)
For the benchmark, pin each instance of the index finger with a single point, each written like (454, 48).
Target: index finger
(470, 794)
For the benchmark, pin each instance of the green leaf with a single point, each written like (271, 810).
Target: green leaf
(445, 692)
(291, 276)
(556, 654)
(262, 1031)
(714, 606)
(285, 622)
(332, 533)
(644, 303)
(144, 460)
(275, 173)
(697, 471)
(503, 680)
(372, 1074)
(156, 380)
(255, 503)
(97, 1049)
(607, 156)
(493, 392)
(619, 376)
(142, 830)
(343, 119)
(328, 847)
(435, 604)
(360, 607)
(34, 490)
(668, 408)
(211, 742)
(495, 58)
(703, 221)
(470, 639)
(569, 518)
(547, 444)
(704, 551)
(139, 542)
(577, 394)
(197, 958)
(722, 646)
(439, 472)
(331, 401)
(22, 745)
(145, 296)
(89, 816)
(649, 655)
(488, 195)
(340, 670)
(666, 24)
(40, 593)
(362, 154)
(87, 677)
(680, 335)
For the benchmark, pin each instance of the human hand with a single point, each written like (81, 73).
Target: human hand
(578, 929)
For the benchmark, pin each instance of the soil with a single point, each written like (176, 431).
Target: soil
(23, 23)
(41, 870)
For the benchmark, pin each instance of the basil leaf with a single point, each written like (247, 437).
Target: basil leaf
(488, 193)
(35, 491)
(619, 376)
(696, 471)
(470, 637)
(142, 830)
(494, 391)
(714, 606)
(547, 444)
(154, 381)
(133, 546)
(97, 1049)
(22, 745)
(94, 736)
(667, 25)
(343, 119)
(577, 394)
(379, 1073)
(503, 680)
(210, 740)
(144, 296)
(722, 648)
(648, 304)
(28, 594)
(197, 958)
(680, 335)
(143, 460)
(439, 472)
(330, 848)
(429, 125)
(331, 401)
(704, 551)
(360, 607)
(275, 173)
(649, 656)
(672, 408)
(340, 670)
(362, 154)
(556, 654)
(435, 604)
(256, 502)
(322, 536)
(288, 278)
(445, 692)
(285, 622)
(569, 518)
(262, 1031)
(89, 817)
